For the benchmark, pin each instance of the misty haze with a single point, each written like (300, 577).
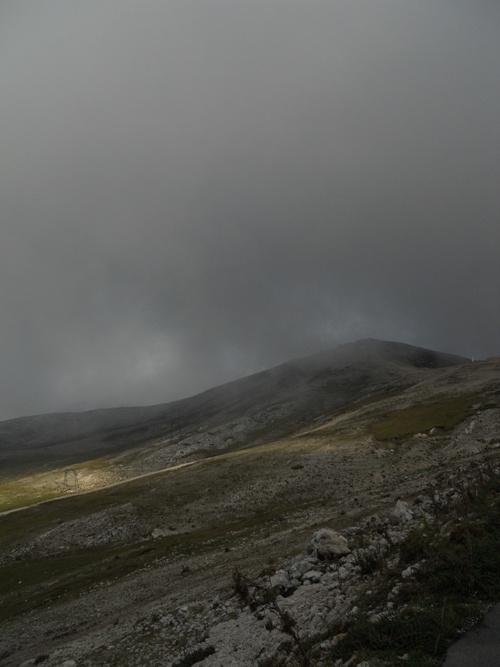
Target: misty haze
(192, 192)
(249, 329)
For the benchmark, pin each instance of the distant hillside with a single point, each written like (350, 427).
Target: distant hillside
(272, 402)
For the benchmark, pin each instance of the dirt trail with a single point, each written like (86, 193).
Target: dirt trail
(105, 487)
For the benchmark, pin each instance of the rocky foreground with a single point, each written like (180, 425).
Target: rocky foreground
(294, 612)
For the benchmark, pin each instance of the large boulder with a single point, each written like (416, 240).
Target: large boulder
(326, 544)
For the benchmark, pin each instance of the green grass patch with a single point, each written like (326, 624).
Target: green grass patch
(36, 582)
(24, 490)
(14, 498)
(32, 582)
(442, 415)
(468, 558)
(156, 495)
(421, 632)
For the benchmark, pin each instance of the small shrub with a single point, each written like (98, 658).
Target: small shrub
(418, 544)
(458, 577)
(370, 561)
(240, 586)
(425, 632)
(259, 596)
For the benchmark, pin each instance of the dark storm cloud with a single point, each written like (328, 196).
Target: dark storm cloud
(193, 191)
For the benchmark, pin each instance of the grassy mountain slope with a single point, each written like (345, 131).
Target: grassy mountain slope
(256, 408)
(350, 434)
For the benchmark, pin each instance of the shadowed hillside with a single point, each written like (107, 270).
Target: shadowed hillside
(256, 408)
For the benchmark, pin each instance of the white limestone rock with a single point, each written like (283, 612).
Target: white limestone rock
(327, 544)
(312, 576)
(281, 583)
(401, 513)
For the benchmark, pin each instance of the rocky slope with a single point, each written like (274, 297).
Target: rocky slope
(258, 407)
(142, 573)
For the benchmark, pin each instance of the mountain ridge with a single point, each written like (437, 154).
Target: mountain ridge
(314, 383)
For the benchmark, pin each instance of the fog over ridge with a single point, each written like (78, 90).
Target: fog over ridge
(192, 192)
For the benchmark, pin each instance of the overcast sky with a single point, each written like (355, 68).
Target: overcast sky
(194, 190)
